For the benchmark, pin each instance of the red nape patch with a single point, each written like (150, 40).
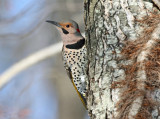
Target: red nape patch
(78, 30)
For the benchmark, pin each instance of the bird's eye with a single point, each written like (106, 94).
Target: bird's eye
(67, 26)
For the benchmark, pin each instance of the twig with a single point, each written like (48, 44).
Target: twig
(157, 2)
(29, 61)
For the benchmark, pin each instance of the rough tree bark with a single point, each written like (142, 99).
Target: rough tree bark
(123, 42)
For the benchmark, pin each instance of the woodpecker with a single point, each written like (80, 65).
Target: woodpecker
(74, 55)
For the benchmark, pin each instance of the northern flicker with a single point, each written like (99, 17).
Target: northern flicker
(74, 55)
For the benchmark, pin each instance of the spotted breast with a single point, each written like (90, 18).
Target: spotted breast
(75, 64)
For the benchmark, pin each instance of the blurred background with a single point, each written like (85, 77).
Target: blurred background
(44, 90)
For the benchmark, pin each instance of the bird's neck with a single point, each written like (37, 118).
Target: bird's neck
(69, 39)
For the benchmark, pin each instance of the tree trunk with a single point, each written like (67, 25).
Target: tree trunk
(123, 43)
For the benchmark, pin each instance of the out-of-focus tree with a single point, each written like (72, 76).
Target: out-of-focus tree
(40, 91)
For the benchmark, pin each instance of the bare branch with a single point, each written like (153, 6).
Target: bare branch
(29, 61)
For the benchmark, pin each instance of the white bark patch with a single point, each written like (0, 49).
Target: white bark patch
(130, 17)
(119, 33)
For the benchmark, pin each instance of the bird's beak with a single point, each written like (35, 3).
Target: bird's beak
(55, 23)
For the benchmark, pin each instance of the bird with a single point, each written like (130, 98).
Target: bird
(74, 55)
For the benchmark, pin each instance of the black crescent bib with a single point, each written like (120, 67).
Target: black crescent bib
(77, 45)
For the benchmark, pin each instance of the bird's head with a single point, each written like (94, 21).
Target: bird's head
(69, 31)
